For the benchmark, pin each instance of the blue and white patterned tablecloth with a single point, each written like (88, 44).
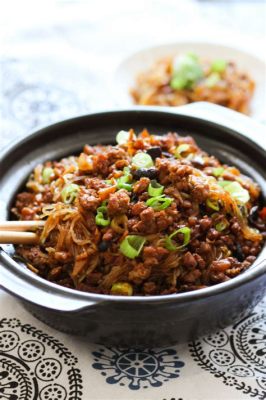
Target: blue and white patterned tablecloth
(57, 65)
(37, 362)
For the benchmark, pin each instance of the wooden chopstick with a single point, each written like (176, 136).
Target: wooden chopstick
(16, 232)
(20, 226)
(13, 237)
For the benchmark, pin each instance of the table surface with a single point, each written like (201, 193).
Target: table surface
(43, 46)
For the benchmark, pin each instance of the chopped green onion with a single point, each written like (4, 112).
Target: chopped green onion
(126, 171)
(122, 288)
(213, 204)
(212, 79)
(47, 173)
(101, 217)
(108, 181)
(159, 203)
(142, 160)
(218, 65)
(169, 243)
(218, 171)
(69, 193)
(186, 71)
(122, 137)
(221, 226)
(132, 245)
(235, 190)
(181, 149)
(155, 189)
(123, 183)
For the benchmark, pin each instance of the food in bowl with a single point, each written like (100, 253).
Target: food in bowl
(186, 78)
(152, 215)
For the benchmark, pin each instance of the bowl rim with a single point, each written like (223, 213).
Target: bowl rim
(253, 272)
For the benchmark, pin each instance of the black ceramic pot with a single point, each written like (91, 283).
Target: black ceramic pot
(155, 320)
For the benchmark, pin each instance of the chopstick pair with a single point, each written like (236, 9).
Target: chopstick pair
(19, 232)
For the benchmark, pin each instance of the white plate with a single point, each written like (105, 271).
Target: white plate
(128, 70)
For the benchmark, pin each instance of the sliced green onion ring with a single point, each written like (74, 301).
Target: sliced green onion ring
(123, 183)
(159, 203)
(47, 173)
(155, 189)
(218, 171)
(142, 160)
(222, 225)
(212, 79)
(122, 137)
(132, 245)
(236, 191)
(182, 148)
(186, 239)
(69, 193)
(122, 288)
(213, 204)
(102, 218)
(218, 65)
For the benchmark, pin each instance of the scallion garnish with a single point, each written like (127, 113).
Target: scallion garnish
(122, 137)
(186, 71)
(142, 160)
(155, 189)
(159, 203)
(213, 204)
(102, 218)
(186, 238)
(69, 193)
(236, 191)
(122, 288)
(218, 65)
(132, 245)
(182, 148)
(47, 173)
(218, 171)
(212, 79)
(222, 225)
(123, 183)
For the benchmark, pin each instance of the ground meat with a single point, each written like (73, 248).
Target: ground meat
(88, 200)
(118, 202)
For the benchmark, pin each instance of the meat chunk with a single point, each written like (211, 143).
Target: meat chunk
(118, 202)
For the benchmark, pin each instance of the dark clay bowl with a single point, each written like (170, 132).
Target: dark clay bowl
(116, 320)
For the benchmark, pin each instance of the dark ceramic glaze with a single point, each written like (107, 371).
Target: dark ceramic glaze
(115, 320)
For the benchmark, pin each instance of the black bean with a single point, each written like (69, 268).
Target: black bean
(103, 246)
(238, 253)
(154, 152)
(134, 198)
(148, 172)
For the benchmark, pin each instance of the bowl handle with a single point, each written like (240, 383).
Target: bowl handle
(23, 284)
(247, 126)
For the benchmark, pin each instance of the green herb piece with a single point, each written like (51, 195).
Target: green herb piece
(169, 244)
(218, 65)
(222, 225)
(132, 245)
(218, 171)
(102, 218)
(212, 79)
(182, 148)
(213, 204)
(122, 289)
(186, 72)
(142, 160)
(47, 173)
(69, 193)
(159, 203)
(236, 191)
(122, 137)
(155, 189)
(123, 183)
